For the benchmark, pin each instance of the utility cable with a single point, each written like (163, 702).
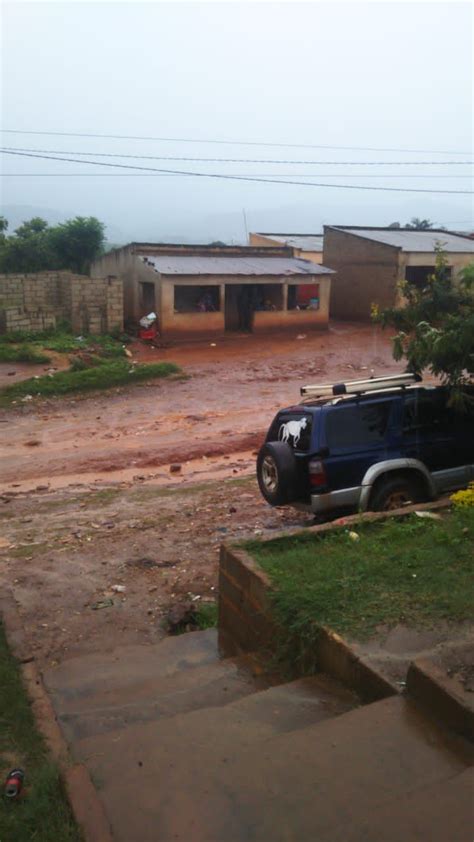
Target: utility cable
(243, 160)
(235, 142)
(228, 177)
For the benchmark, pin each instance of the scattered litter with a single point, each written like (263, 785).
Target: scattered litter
(175, 468)
(213, 345)
(27, 398)
(301, 336)
(128, 353)
(118, 588)
(354, 536)
(147, 321)
(11, 373)
(14, 783)
(103, 603)
(429, 515)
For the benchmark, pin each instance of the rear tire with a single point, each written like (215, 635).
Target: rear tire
(276, 473)
(394, 493)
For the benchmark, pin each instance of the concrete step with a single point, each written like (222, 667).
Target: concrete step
(156, 697)
(241, 716)
(441, 812)
(210, 776)
(96, 694)
(77, 677)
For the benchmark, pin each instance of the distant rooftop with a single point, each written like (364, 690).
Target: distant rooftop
(412, 240)
(238, 264)
(306, 242)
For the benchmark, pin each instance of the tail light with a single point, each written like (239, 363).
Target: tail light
(317, 473)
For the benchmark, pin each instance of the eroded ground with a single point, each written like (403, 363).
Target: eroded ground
(88, 500)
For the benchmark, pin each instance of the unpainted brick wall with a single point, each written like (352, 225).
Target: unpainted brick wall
(41, 300)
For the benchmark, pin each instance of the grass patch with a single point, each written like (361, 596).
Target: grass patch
(42, 813)
(412, 571)
(21, 354)
(104, 376)
(207, 615)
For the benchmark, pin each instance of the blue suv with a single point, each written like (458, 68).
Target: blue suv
(373, 444)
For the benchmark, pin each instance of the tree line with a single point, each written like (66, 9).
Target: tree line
(36, 246)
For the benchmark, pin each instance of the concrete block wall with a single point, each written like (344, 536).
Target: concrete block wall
(41, 300)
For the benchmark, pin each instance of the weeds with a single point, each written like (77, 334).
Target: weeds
(42, 812)
(412, 571)
(23, 354)
(105, 376)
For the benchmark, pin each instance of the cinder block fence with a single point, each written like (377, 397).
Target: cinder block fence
(41, 300)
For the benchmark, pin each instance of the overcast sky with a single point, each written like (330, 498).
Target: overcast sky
(390, 75)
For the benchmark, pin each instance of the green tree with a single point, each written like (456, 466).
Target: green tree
(78, 242)
(36, 246)
(28, 249)
(435, 326)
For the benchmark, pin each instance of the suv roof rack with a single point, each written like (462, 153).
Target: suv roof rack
(358, 387)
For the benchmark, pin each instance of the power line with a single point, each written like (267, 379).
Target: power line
(230, 177)
(242, 160)
(256, 175)
(234, 142)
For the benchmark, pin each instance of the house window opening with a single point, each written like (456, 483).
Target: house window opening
(267, 297)
(419, 275)
(303, 297)
(196, 299)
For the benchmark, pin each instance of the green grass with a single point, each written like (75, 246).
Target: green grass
(207, 615)
(62, 341)
(42, 813)
(105, 376)
(21, 354)
(412, 571)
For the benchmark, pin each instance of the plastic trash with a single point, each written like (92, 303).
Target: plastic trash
(14, 783)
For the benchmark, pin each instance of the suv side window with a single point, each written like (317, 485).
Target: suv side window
(357, 425)
(424, 413)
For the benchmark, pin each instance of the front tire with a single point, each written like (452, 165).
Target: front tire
(276, 473)
(394, 493)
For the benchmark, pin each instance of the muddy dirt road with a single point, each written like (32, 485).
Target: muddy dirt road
(88, 501)
(223, 408)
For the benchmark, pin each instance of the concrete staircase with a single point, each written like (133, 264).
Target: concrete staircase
(186, 747)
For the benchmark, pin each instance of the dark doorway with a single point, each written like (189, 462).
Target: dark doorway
(240, 303)
(147, 298)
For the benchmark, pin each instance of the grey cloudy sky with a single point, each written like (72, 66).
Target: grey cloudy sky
(395, 75)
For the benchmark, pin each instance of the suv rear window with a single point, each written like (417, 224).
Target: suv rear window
(357, 425)
(292, 427)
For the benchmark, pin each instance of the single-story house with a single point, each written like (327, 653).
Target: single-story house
(370, 263)
(307, 246)
(200, 291)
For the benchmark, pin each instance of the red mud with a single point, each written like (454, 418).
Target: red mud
(225, 407)
(86, 491)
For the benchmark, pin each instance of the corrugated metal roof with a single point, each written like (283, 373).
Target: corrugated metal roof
(418, 241)
(307, 242)
(170, 264)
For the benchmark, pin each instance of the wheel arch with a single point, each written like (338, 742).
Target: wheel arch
(410, 468)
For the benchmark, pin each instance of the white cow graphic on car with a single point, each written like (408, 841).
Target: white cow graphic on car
(293, 429)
